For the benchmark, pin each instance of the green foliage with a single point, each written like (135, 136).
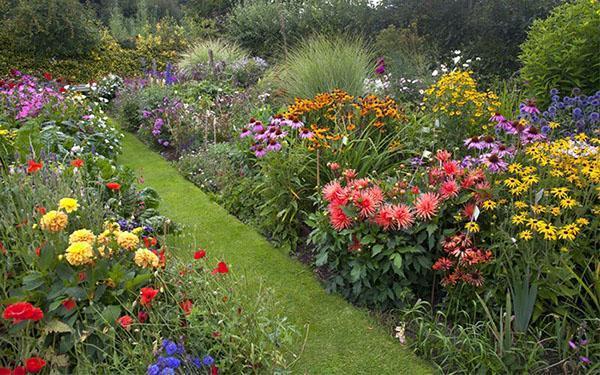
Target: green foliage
(562, 50)
(196, 59)
(208, 8)
(324, 63)
(270, 28)
(55, 28)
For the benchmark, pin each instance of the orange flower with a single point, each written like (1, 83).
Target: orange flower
(33, 166)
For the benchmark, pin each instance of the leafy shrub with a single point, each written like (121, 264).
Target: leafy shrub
(560, 52)
(56, 28)
(325, 63)
(161, 44)
(377, 239)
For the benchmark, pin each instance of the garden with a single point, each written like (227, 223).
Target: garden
(312, 187)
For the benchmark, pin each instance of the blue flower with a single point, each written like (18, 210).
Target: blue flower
(167, 371)
(170, 347)
(554, 92)
(197, 362)
(172, 362)
(577, 112)
(594, 116)
(208, 360)
(153, 369)
(545, 129)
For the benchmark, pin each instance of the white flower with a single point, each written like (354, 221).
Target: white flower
(456, 59)
(75, 149)
(477, 58)
(457, 52)
(435, 73)
(400, 333)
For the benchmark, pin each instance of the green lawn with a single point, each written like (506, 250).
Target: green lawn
(341, 338)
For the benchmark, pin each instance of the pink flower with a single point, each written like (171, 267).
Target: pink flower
(427, 205)
(449, 189)
(339, 220)
(331, 191)
(221, 268)
(403, 216)
(385, 217)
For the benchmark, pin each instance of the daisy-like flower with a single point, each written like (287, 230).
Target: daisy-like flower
(273, 145)
(525, 235)
(474, 142)
(495, 163)
(472, 227)
(305, 133)
(366, 204)
(427, 205)
(245, 133)
(442, 264)
(403, 216)
(521, 205)
(568, 232)
(568, 202)
(474, 278)
(559, 192)
(489, 205)
(260, 151)
(529, 107)
(532, 134)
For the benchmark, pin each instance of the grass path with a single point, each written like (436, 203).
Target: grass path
(341, 338)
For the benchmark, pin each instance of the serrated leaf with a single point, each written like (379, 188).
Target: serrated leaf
(56, 326)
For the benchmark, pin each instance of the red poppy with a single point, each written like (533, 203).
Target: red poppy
(199, 254)
(415, 189)
(69, 304)
(125, 321)
(113, 186)
(41, 210)
(21, 311)
(33, 166)
(62, 90)
(150, 241)
(47, 76)
(38, 250)
(77, 163)
(221, 268)
(5, 371)
(20, 370)
(143, 316)
(186, 305)
(147, 295)
(214, 370)
(34, 364)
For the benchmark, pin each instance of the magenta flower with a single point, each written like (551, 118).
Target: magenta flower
(494, 162)
(306, 134)
(474, 142)
(245, 133)
(529, 107)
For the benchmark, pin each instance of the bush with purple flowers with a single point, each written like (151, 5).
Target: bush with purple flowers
(576, 114)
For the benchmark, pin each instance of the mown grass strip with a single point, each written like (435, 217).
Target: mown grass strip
(342, 339)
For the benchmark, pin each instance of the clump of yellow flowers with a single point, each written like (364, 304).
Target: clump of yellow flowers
(456, 95)
(555, 190)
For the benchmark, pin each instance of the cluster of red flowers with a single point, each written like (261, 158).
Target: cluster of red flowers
(33, 365)
(22, 311)
(353, 200)
(462, 261)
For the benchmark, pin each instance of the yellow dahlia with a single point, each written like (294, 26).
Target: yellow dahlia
(128, 240)
(68, 204)
(146, 258)
(80, 253)
(54, 221)
(82, 235)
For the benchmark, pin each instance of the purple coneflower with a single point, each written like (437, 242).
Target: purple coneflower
(273, 145)
(257, 127)
(245, 133)
(503, 150)
(305, 133)
(494, 162)
(529, 107)
(260, 151)
(475, 142)
(532, 134)
(295, 124)
(497, 117)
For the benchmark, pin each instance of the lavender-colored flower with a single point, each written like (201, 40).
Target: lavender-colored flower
(380, 68)
(260, 151)
(572, 345)
(306, 134)
(296, 124)
(170, 347)
(258, 127)
(474, 142)
(529, 107)
(585, 360)
(245, 133)
(208, 360)
(532, 134)
(273, 145)
(197, 362)
(503, 151)
(497, 117)
(167, 371)
(494, 162)
(416, 161)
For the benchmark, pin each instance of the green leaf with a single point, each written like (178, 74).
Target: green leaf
(376, 250)
(111, 313)
(56, 326)
(137, 281)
